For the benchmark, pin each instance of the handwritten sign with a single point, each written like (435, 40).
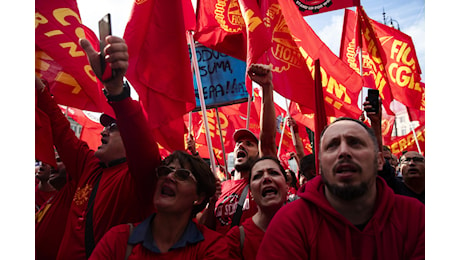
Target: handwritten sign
(222, 78)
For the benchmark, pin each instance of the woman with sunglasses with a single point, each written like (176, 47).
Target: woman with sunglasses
(269, 187)
(185, 184)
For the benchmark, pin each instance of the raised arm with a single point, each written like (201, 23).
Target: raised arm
(262, 75)
(141, 148)
(298, 143)
(74, 153)
(376, 122)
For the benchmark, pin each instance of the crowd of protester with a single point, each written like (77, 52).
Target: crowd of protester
(123, 201)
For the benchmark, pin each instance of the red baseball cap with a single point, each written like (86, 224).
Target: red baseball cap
(244, 133)
(106, 120)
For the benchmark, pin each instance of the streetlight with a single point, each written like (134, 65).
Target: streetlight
(391, 24)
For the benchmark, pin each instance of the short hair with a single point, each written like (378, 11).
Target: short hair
(268, 157)
(369, 130)
(307, 164)
(206, 181)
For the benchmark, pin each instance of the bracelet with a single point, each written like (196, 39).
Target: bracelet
(124, 94)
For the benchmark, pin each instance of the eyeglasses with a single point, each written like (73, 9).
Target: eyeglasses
(179, 174)
(112, 127)
(414, 159)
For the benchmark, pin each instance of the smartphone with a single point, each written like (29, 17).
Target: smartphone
(373, 98)
(105, 28)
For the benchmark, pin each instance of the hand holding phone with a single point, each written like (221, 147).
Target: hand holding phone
(105, 29)
(373, 98)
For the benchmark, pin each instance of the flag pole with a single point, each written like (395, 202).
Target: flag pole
(281, 138)
(222, 142)
(294, 141)
(249, 110)
(202, 102)
(359, 47)
(415, 138)
(190, 130)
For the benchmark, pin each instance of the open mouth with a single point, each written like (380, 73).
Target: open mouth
(241, 154)
(344, 168)
(269, 191)
(167, 191)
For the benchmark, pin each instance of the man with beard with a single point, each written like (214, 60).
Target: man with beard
(348, 212)
(230, 206)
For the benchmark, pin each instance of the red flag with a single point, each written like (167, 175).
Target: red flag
(290, 73)
(160, 67)
(44, 147)
(220, 26)
(397, 60)
(341, 85)
(320, 113)
(189, 15)
(418, 114)
(61, 61)
(309, 7)
(374, 74)
(90, 126)
(408, 143)
(388, 121)
(259, 39)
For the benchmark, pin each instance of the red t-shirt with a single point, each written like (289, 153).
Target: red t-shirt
(227, 203)
(125, 192)
(42, 196)
(50, 222)
(113, 246)
(253, 236)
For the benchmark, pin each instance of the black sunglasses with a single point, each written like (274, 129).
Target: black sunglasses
(112, 127)
(179, 174)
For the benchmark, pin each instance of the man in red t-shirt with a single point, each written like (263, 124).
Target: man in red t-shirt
(43, 190)
(121, 171)
(221, 209)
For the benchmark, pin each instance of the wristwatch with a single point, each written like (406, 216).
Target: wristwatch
(124, 94)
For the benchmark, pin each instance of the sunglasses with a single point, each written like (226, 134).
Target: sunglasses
(112, 127)
(179, 174)
(415, 159)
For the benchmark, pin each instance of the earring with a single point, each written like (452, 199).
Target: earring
(195, 202)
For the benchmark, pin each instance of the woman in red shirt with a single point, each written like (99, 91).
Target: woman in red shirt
(268, 184)
(185, 184)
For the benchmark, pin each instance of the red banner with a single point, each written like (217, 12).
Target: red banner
(90, 127)
(160, 67)
(220, 26)
(61, 61)
(341, 85)
(290, 73)
(309, 7)
(374, 74)
(398, 59)
(408, 143)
